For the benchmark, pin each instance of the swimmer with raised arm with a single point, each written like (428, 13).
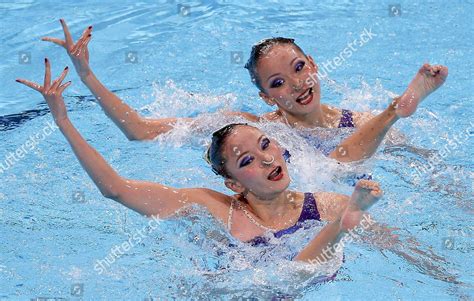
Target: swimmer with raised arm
(287, 78)
(253, 167)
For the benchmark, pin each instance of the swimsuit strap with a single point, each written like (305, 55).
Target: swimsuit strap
(346, 119)
(229, 219)
(308, 212)
(310, 208)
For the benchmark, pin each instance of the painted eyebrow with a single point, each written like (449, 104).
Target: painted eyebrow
(237, 160)
(291, 63)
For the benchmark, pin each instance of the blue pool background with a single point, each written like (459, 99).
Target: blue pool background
(55, 224)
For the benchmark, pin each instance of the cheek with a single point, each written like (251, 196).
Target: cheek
(287, 102)
(247, 175)
(284, 97)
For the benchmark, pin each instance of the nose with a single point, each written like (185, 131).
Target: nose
(268, 160)
(297, 85)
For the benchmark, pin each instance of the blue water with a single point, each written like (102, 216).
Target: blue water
(55, 225)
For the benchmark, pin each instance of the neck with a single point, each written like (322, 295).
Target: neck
(271, 208)
(310, 120)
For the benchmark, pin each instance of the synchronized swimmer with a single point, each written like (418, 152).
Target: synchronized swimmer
(285, 77)
(253, 167)
(252, 164)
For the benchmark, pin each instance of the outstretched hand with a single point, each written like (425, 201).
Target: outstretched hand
(78, 51)
(52, 92)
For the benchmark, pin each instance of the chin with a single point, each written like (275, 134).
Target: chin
(285, 183)
(280, 186)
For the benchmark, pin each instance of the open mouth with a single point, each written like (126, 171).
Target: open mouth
(276, 174)
(306, 97)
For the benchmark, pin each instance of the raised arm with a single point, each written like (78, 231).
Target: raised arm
(127, 119)
(144, 197)
(331, 206)
(134, 126)
(364, 142)
(346, 217)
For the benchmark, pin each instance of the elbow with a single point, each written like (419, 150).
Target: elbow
(134, 131)
(134, 137)
(110, 194)
(130, 138)
(139, 136)
(111, 191)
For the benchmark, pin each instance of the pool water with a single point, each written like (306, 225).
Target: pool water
(172, 58)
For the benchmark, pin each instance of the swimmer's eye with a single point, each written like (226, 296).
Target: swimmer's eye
(246, 161)
(277, 83)
(265, 143)
(299, 66)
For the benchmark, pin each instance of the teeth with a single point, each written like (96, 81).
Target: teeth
(306, 94)
(275, 173)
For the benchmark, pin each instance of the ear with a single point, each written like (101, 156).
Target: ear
(311, 61)
(234, 185)
(269, 101)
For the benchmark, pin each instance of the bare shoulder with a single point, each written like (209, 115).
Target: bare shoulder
(330, 204)
(332, 115)
(272, 116)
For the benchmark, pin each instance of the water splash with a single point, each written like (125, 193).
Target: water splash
(221, 259)
(171, 101)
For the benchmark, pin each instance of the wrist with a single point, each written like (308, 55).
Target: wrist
(86, 75)
(62, 122)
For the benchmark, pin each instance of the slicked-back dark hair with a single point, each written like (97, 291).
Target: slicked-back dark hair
(214, 155)
(260, 49)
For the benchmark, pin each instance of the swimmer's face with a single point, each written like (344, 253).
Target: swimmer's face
(289, 80)
(255, 163)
